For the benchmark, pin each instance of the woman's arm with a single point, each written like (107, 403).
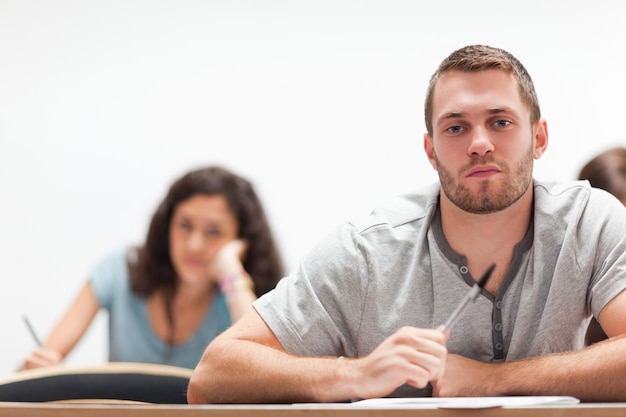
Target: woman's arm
(67, 331)
(233, 280)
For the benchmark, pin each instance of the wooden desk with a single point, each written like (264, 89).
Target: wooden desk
(124, 409)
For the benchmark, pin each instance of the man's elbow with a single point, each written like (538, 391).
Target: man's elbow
(193, 392)
(207, 378)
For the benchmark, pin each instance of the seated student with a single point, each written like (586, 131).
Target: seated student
(608, 172)
(352, 321)
(208, 254)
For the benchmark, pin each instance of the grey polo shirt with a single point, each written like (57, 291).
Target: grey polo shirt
(394, 268)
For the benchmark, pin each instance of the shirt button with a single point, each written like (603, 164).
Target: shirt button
(498, 327)
(499, 305)
(499, 346)
(463, 270)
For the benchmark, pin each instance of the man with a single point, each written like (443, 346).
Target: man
(358, 317)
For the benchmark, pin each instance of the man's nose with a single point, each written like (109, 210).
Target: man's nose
(480, 143)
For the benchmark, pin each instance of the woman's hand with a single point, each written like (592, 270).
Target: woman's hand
(232, 279)
(41, 358)
(228, 260)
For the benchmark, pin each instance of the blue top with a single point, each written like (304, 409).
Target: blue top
(131, 338)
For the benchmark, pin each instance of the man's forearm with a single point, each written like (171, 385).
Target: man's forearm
(596, 373)
(236, 371)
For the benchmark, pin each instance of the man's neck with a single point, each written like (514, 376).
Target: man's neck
(487, 238)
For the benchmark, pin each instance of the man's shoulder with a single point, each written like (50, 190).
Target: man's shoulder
(575, 202)
(402, 209)
(553, 188)
(560, 194)
(572, 193)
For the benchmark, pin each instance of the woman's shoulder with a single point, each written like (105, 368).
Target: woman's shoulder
(111, 272)
(116, 257)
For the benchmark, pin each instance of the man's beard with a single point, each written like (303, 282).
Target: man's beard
(486, 200)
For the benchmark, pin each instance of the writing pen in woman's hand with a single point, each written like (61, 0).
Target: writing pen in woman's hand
(32, 332)
(471, 296)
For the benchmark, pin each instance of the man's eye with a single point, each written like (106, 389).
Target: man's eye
(455, 129)
(502, 123)
(185, 226)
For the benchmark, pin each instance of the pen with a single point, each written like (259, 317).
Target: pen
(32, 331)
(471, 296)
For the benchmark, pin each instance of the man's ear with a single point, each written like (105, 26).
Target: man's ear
(429, 148)
(541, 138)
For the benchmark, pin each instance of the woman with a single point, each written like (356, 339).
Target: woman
(608, 172)
(208, 254)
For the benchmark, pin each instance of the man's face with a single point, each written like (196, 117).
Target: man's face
(483, 143)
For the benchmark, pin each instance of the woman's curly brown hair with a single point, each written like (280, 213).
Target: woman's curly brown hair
(153, 269)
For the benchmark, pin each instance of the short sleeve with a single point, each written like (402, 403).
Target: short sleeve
(109, 273)
(316, 310)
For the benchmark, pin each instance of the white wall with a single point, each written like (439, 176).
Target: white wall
(319, 102)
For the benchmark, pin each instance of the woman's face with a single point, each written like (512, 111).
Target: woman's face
(200, 226)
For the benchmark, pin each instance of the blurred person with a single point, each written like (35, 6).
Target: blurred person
(607, 171)
(208, 254)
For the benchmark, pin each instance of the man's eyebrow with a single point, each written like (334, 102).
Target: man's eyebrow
(460, 114)
(503, 109)
(452, 115)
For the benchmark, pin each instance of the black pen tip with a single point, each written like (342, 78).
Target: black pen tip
(486, 275)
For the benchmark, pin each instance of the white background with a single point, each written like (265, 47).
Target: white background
(319, 102)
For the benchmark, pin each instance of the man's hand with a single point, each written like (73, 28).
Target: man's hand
(411, 355)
